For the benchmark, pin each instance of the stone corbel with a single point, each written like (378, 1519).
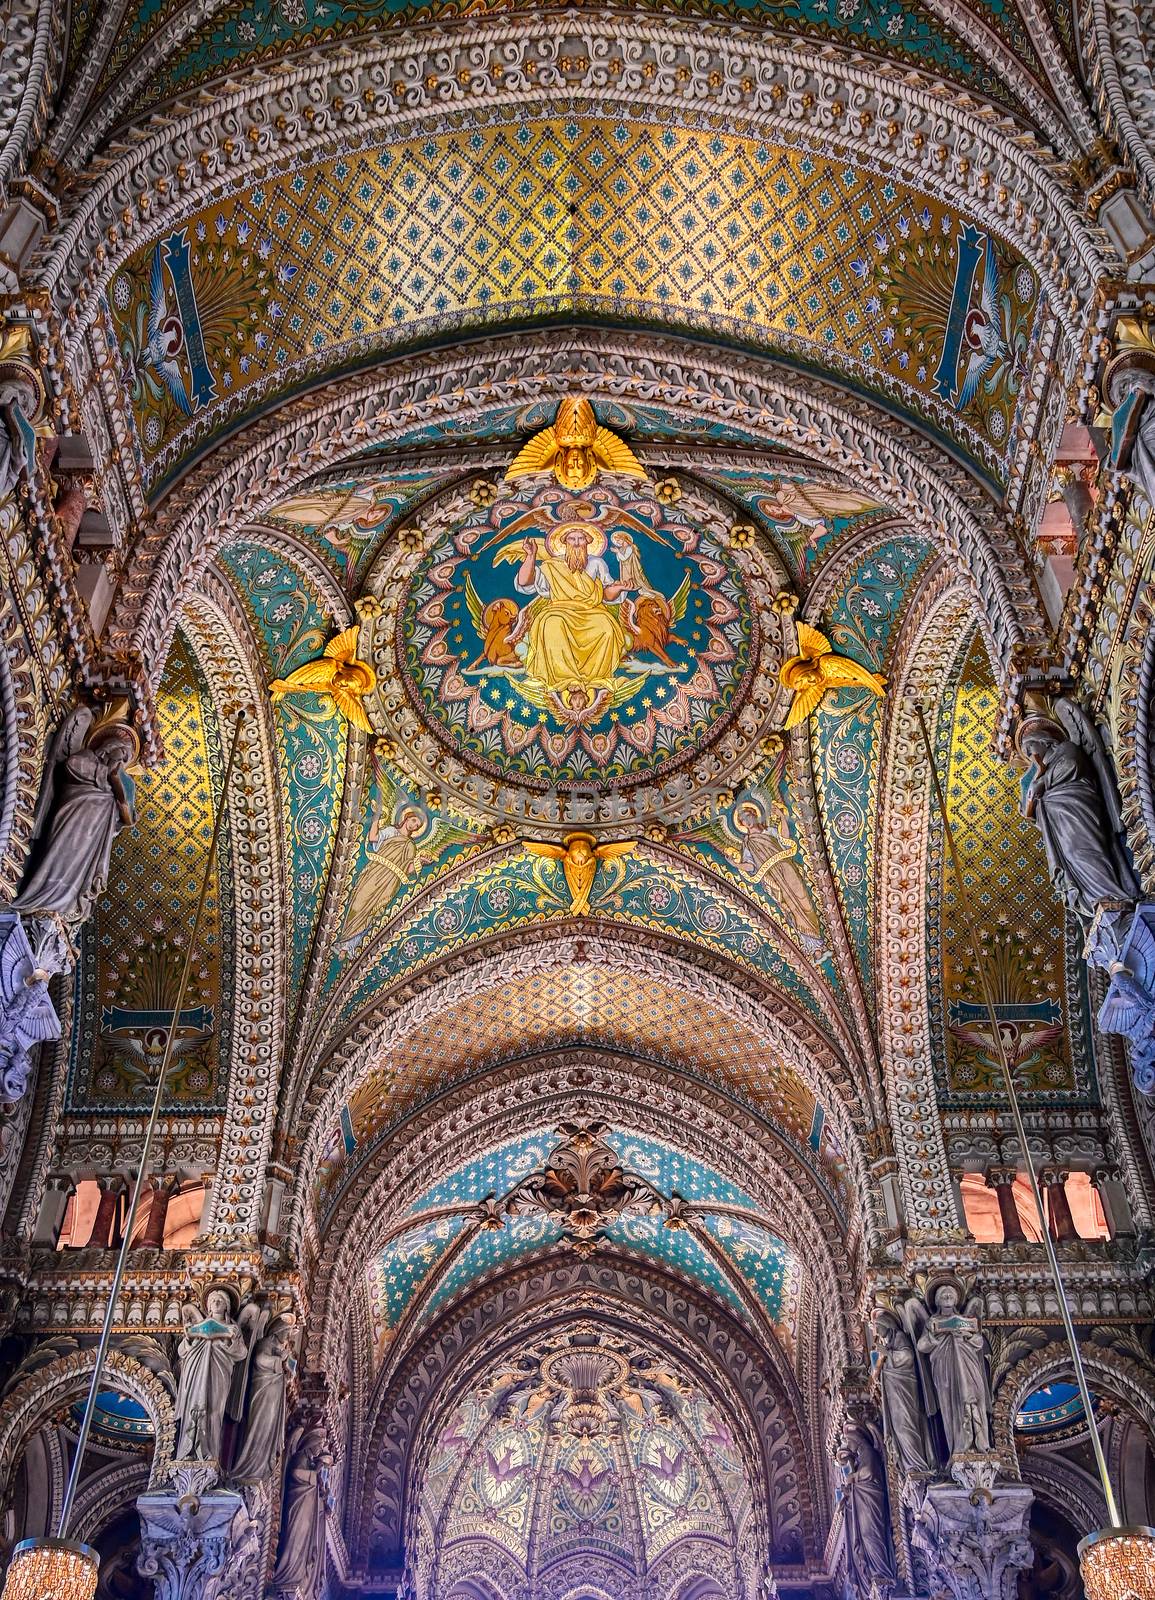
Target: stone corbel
(972, 1533)
(199, 1546)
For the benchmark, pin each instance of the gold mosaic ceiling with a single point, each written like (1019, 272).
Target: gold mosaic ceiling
(321, 268)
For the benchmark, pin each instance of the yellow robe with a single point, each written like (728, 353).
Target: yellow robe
(574, 638)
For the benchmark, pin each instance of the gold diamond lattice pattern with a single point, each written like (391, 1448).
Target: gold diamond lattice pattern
(503, 222)
(142, 922)
(1020, 921)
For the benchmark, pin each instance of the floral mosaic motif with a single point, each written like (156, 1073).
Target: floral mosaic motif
(1021, 924)
(368, 251)
(506, 893)
(292, 623)
(247, 31)
(575, 639)
(402, 1267)
(133, 952)
(845, 729)
(348, 518)
(958, 308)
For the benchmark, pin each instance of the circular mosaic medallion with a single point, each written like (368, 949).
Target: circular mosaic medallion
(567, 641)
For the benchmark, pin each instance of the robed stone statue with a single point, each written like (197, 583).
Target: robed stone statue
(956, 1354)
(301, 1552)
(212, 1346)
(85, 799)
(869, 1556)
(265, 1405)
(904, 1415)
(1069, 793)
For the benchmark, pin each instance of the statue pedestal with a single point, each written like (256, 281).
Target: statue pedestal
(972, 1533)
(1129, 1006)
(203, 1547)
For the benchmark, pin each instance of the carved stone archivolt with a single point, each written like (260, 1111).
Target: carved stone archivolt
(633, 1298)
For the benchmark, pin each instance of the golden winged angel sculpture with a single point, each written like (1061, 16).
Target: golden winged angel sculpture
(816, 669)
(338, 673)
(576, 448)
(580, 856)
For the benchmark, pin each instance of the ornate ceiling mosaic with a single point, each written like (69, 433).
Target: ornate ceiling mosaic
(592, 1449)
(319, 266)
(738, 1260)
(1037, 986)
(134, 948)
(246, 32)
(631, 693)
(577, 1004)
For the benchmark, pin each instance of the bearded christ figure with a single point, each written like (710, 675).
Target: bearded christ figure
(575, 639)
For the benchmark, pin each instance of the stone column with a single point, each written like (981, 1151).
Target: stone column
(199, 1547)
(152, 1237)
(972, 1533)
(57, 1191)
(105, 1229)
(1113, 1198)
(1001, 1180)
(1054, 1182)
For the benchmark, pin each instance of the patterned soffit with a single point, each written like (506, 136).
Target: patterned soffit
(437, 1260)
(324, 267)
(579, 1004)
(243, 33)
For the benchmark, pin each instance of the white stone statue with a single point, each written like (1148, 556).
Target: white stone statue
(903, 1410)
(211, 1348)
(869, 1558)
(301, 1553)
(955, 1350)
(265, 1406)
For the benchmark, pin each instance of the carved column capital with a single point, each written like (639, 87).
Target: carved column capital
(199, 1548)
(972, 1533)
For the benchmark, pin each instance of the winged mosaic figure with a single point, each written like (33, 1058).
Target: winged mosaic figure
(580, 856)
(816, 669)
(339, 674)
(575, 449)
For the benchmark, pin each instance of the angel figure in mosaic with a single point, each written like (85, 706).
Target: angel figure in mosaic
(402, 840)
(755, 837)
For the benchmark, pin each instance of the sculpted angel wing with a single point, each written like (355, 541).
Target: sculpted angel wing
(678, 603)
(352, 708)
(536, 456)
(840, 672)
(812, 643)
(611, 852)
(804, 702)
(473, 601)
(615, 455)
(541, 847)
(343, 646)
(314, 676)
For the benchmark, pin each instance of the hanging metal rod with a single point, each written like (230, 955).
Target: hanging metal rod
(146, 1153)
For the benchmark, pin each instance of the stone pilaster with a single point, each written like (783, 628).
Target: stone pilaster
(972, 1533)
(199, 1547)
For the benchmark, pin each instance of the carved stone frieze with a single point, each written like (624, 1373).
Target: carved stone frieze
(972, 1536)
